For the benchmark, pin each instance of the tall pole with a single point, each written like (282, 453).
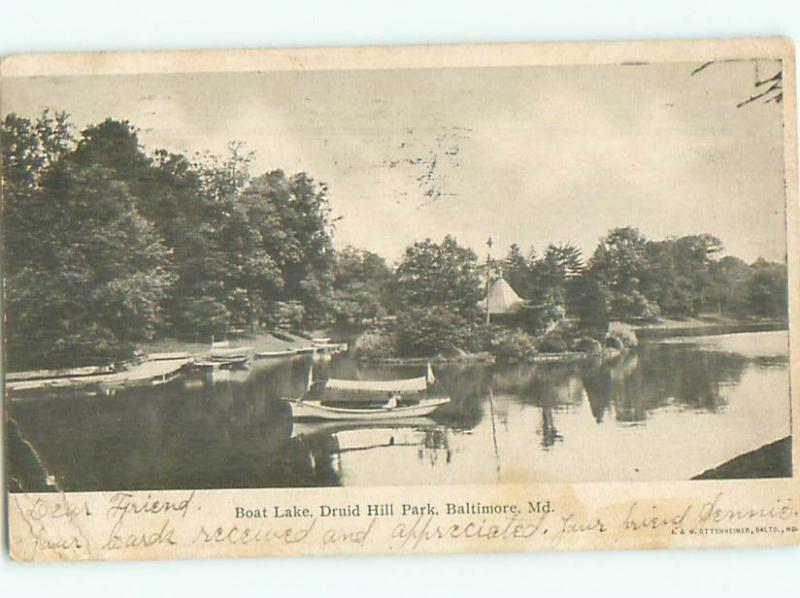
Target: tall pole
(489, 245)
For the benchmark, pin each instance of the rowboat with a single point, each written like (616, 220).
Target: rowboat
(61, 373)
(275, 354)
(366, 400)
(173, 356)
(222, 356)
(220, 363)
(49, 383)
(153, 373)
(305, 350)
(230, 353)
(150, 373)
(310, 409)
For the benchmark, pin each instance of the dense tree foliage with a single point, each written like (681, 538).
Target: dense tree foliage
(359, 286)
(436, 293)
(72, 290)
(439, 274)
(629, 276)
(766, 293)
(547, 280)
(106, 245)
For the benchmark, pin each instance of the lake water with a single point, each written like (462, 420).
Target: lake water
(666, 411)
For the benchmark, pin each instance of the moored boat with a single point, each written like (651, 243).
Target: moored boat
(230, 353)
(366, 400)
(311, 409)
(275, 354)
(59, 373)
(223, 356)
(149, 373)
(221, 363)
(169, 356)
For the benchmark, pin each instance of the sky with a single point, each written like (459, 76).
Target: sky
(526, 155)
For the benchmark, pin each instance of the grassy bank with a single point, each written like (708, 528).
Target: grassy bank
(259, 341)
(482, 357)
(709, 322)
(772, 460)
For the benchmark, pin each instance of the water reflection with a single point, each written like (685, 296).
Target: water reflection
(329, 445)
(228, 429)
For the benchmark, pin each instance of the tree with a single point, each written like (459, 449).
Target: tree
(290, 222)
(224, 177)
(93, 275)
(430, 331)
(694, 255)
(767, 289)
(115, 145)
(618, 265)
(28, 149)
(569, 259)
(591, 304)
(437, 292)
(768, 89)
(678, 273)
(359, 281)
(728, 289)
(619, 259)
(551, 274)
(516, 270)
(444, 275)
(663, 280)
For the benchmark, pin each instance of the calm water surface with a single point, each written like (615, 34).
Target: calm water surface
(669, 410)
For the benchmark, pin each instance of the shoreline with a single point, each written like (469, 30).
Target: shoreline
(486, 358)
(178, 349)
(467, 358)
(267, 341)
(644, 332)
(773, 460)
(705, 327)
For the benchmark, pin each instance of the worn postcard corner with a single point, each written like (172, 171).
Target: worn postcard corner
(400, 300)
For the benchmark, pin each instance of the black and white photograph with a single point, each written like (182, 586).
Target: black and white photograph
(396, 277)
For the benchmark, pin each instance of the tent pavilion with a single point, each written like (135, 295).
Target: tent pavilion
(502, 299)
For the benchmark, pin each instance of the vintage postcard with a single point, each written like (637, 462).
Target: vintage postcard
(400, 300)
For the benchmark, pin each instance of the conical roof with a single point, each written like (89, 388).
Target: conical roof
(502, 298)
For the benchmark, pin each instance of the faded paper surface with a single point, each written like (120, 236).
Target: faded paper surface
(508, 486)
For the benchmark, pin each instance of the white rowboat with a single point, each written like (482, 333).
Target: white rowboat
(274, 354)
(382, 400)
(308, 409)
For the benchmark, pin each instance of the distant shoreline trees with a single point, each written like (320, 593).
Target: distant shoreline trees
(631, 277)
(106, 245)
